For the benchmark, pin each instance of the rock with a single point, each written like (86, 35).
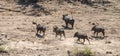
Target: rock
(108, 52)
(3, 35)
(57, 48)
(107, 42)
(39, 55)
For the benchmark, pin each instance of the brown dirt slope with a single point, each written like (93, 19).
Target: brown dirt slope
(17, 34)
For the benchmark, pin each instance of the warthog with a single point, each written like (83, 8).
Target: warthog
(40, 28)
(81, 35)
(59, 31)
(68, 20)
(97, 29)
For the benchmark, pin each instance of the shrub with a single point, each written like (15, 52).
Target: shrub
(85, 52)
(1, 49)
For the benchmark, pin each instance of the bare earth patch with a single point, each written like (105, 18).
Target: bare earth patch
(20, 32)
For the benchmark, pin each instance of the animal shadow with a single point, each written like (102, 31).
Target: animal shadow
(67, 28)
(39, 36)
(98, 37)
(79, 42)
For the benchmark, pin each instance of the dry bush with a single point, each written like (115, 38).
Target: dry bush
(2, 50)
(85, 52)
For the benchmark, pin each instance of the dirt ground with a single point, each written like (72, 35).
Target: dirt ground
(17, 33)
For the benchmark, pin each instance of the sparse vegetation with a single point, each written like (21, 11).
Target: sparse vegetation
(12, 50)
(1, 49)
(85, 52)
(88, 52)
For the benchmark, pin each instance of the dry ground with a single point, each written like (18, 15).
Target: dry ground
(18, 32)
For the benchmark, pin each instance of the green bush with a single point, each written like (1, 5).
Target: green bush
(1, 49)
(85, 52)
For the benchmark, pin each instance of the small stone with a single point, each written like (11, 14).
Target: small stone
(108, 52)
(107, 42)
(5, 36)
(57, 48)
(39, 55)
(2, 34)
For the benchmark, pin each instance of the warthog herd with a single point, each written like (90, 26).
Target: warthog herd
(70, 21)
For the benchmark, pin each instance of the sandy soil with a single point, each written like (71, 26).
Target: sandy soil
(18, 37)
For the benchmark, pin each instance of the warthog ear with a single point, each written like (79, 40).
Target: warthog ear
(93, 23)
(34, 23)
